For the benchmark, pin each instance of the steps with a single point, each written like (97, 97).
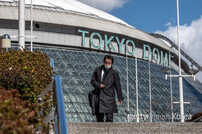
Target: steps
(135, 128)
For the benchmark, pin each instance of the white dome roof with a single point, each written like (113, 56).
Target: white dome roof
(76, 6)
(76, 14)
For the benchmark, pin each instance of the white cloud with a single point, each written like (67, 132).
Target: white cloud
(105, 5)
(168, 24)
(190, 38)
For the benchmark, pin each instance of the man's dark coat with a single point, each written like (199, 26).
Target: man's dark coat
(106, 95)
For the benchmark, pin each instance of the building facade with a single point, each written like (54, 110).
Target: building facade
(77, 37)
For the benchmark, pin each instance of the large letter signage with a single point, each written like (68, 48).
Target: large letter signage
(156, 55)
(83, 36)
(120, 43)
(133, 47)
(100, 40)
(108, 41)
(149, 53)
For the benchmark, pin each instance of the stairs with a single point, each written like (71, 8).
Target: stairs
(135, 128)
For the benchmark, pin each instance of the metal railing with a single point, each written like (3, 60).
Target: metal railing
(60, 108)
(191, 60)
(61, 122)
(199, 119)
(56, 114)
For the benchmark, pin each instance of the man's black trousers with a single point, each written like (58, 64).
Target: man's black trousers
(100, 117)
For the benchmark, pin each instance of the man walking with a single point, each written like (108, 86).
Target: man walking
(106, 81)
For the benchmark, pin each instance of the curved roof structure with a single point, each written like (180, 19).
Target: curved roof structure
(76, 6)
(77, 14)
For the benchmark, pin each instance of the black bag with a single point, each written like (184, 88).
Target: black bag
(90, 97)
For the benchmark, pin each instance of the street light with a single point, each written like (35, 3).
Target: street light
(167, 71)
(180, 70)
(5, 41)
(192, 72)
(21, 23)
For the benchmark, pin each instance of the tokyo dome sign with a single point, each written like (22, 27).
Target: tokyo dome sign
(148, 53)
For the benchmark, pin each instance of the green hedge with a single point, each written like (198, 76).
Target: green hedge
(29, 72)
(23, 75)
(18, 116)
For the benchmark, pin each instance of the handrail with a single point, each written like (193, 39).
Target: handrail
(57, 112)
(41, 96)
(45, 91)
(62, 127)
(197, 119)
(176, 47)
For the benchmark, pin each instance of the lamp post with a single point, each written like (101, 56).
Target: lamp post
(180, 71)
(21, 30)
(31, 25)
(166, 71)
(192, 71)
(5, 41)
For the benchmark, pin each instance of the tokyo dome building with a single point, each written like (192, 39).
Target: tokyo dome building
(78, 36)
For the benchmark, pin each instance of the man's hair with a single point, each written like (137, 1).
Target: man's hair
(108, 57)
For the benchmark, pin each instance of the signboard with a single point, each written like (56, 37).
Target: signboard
(152, 54)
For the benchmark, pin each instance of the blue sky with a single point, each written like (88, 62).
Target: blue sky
(153, 15)
(160, 16)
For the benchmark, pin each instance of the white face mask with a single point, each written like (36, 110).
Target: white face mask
(108, 66)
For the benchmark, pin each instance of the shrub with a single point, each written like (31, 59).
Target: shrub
(28, 72)
(16, 115)
(23, 75)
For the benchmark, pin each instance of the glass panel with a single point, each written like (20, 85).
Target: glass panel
(76, 68)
